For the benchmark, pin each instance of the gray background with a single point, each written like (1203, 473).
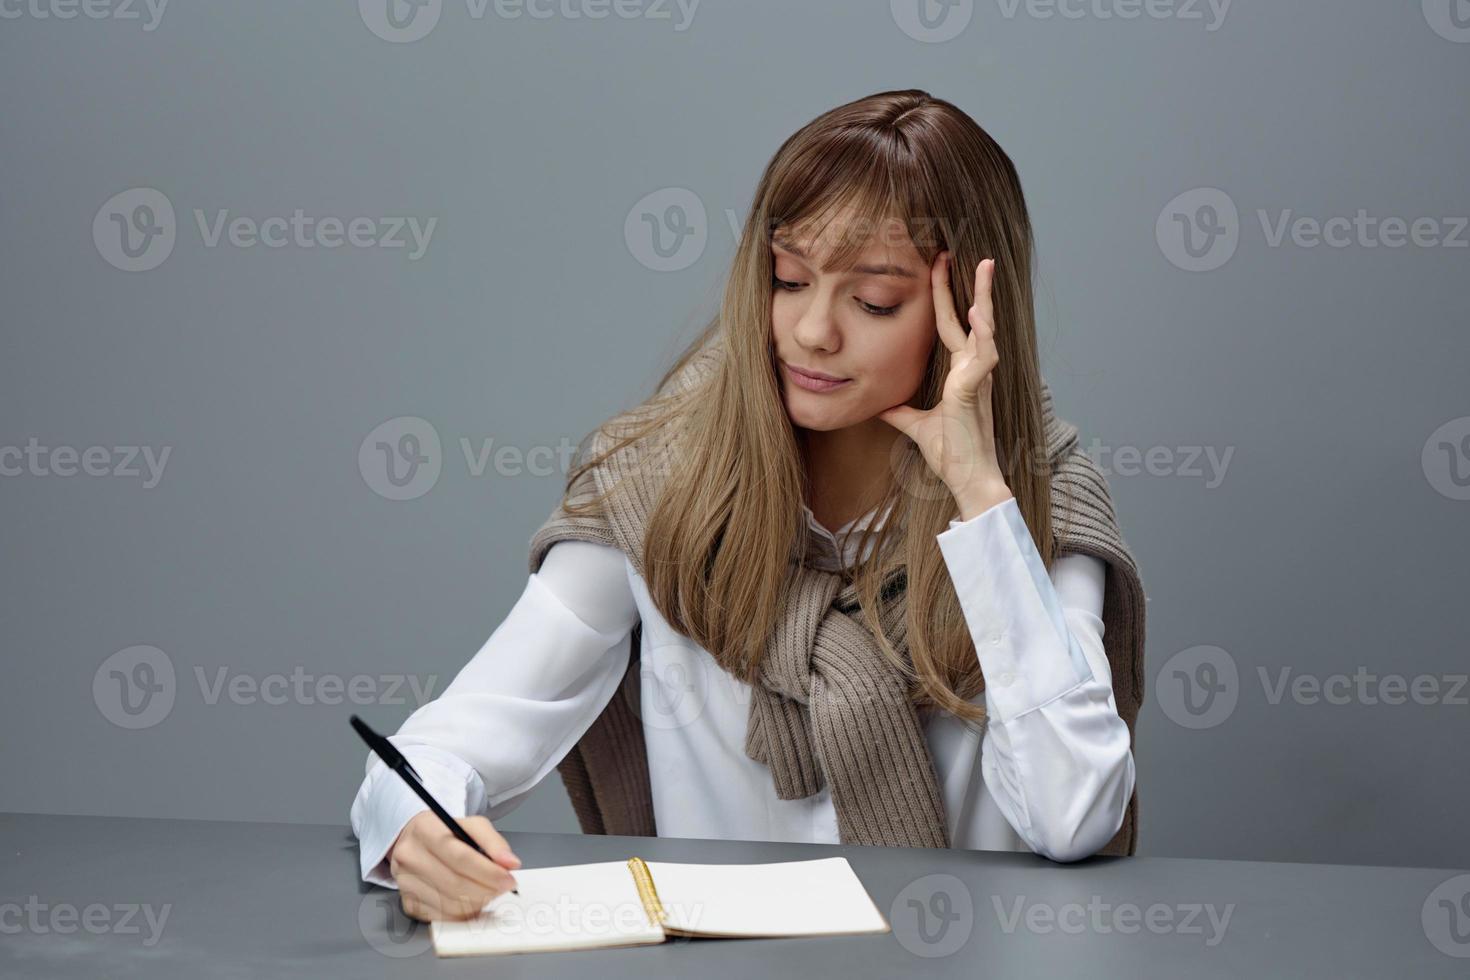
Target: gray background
(1327, 548)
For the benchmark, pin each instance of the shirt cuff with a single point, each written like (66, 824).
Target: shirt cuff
(1026, 652)
(385, 804)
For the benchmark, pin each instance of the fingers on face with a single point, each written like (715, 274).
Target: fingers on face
(945, 317)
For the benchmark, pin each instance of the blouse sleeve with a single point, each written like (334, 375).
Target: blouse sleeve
(1056, 755)
(516, 709)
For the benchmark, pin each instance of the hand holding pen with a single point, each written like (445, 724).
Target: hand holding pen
(442, 875)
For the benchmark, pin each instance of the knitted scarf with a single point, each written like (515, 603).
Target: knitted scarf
(828, 706)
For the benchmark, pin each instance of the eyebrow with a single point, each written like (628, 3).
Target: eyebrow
(899, 271)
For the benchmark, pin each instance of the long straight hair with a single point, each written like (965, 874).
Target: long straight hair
(718, 543)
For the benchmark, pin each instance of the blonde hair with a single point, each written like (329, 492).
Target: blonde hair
(718, 542)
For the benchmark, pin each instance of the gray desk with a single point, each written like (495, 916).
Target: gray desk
(120, 898)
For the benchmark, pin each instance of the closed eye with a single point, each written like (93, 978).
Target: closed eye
(868, 308)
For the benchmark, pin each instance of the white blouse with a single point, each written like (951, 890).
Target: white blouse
(1053, 772)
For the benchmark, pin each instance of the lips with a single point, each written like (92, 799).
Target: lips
(819, 375)
(814, 380)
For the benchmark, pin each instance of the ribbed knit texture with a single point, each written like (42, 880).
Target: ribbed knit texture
(828, 707)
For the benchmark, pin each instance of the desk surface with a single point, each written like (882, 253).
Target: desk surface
(120, 897)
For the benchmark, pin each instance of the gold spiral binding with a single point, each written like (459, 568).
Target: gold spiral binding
(644, 879)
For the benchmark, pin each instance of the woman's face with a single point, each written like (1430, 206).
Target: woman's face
(871, 325)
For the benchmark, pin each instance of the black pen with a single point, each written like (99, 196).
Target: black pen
(395, 761)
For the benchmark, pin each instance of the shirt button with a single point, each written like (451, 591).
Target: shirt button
(1005, 679)
(994, 639)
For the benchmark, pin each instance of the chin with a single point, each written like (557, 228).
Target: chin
(818, 417)
(817, 425)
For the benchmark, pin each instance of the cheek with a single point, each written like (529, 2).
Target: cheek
(784, 316)
(903, 353)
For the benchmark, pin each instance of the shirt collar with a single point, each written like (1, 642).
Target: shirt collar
(838, 549)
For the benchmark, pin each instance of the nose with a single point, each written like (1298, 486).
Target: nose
(816, 329)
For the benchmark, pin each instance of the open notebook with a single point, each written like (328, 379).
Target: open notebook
(637, 902)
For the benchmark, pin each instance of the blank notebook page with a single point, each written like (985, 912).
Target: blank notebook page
(792, 898)
(570, 907)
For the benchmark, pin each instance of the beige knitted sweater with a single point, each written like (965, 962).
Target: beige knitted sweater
(828, 707)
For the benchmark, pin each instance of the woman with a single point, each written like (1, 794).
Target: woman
(844, 578)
